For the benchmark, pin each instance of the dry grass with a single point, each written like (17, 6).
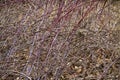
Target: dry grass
(59, 40)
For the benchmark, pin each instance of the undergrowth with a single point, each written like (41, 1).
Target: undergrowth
(59, 40)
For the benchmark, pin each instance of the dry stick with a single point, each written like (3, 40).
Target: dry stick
(107, 68)
(103, 7)
(85, 14)
(73, 29)
(56, 23)
(17, 73)
(29, 66)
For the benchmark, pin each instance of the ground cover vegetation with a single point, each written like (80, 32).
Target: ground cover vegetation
(59, 39)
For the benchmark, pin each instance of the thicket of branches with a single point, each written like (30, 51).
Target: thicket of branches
(59, 40)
